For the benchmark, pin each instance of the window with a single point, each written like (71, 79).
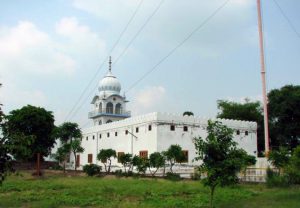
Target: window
(185, 128)
(126, 132)
(246, 133)
(186, 156)
(93, 137)
(107, 134)
(144, 154)
(137, 129)
(119, 155)
(100, 122)
(149, 128)
(90, 158)
(116, 133)
(238, 132)
(109, 108)
(87, 138)
(100, 136)
(172, 127)
(118, 109)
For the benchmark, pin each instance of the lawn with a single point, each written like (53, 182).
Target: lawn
(56, 190)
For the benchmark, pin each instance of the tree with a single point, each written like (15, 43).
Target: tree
(31, 127)
(75, 146)
(222, 160)
(174, 154)
(293, 168)
(105, 156)
(67, 131)
(248, 111)
(188, 113)
(284, 114)
(156, 160)
(140, 163)
(126, 161)
(279, 158)
(62, 154)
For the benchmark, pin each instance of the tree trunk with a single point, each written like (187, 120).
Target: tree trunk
(64, 167)
(212, 191)
(109, 165)
(38, 167)
(75, 161)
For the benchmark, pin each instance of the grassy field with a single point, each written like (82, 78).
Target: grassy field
(56, 190)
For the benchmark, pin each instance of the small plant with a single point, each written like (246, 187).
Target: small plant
(274, 179)
(173, 176)
(92, 169)
(119, 173)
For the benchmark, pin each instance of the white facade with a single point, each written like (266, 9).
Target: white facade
(142, 135)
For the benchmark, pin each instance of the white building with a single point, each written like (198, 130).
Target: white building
(154, 132)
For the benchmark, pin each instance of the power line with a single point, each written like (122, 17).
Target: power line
(99, 69)
(287, 18)
(178, 45)
(139, 31)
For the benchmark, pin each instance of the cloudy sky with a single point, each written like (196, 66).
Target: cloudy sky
(51, 50)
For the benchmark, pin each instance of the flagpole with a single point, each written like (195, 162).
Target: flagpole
(263, 78)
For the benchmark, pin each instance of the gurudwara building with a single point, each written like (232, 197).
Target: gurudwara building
(113, 127)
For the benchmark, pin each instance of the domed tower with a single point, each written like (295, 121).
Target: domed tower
(109, 105)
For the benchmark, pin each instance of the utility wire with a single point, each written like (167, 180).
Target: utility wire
(139, 31)
(99, 69)
(287, 19)
(179, 45)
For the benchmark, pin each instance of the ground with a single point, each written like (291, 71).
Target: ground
(76, 190)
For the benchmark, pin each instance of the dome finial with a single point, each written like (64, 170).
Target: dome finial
(109, 63)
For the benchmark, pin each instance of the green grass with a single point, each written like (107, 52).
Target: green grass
(54, 190)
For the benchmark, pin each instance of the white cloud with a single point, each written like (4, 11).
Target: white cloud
(25, 48)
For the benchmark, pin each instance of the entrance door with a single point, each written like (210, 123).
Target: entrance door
(77, 161)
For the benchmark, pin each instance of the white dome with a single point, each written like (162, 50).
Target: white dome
(109, 85)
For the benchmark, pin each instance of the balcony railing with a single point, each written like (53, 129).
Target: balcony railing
(110, 112)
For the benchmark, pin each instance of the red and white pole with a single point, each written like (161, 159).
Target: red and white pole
(263, 78)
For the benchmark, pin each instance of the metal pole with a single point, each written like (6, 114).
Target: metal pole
(263, 78)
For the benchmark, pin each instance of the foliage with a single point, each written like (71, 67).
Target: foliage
(75, 146)
(173, 176)
(274, 179)
(119, 173)
(92, 169)
(30, 128)
(248, 111)
(188, 113)
(126, 161)
(67, 131)
(140, 163)
(293, 168)
(174, 154)
(284, 114)
(105, 156)
(156, 161)
(222, 160)
(62, 154)
(279, 158)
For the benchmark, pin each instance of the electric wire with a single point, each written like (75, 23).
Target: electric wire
(99, 69)
(179, 45)
(287, 18)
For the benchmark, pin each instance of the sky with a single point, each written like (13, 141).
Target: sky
(51, 51)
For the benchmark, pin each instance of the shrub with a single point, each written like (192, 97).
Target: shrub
(92, 169)
(173, 176)
(119, 173)
(274, 179)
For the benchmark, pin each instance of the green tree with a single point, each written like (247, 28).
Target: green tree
(174, 154)
(284, 114)
(140, 163)
(75, 147)
(105, 156)
(222, 160)
(67, 131)
(248, 111)
(188, 113)
(62, 154)
(293, 169)
(279, 158)
(30, 127)
(126, 161)
(156, 161)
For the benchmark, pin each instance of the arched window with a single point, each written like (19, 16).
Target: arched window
(100, 122)
(100, 107)
(109, 108)
(118, 108)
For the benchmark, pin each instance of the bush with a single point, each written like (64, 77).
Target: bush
(92, 169)
(173, 176)
(276, 180)
(196, 176)
(119, 173)
(56, 167)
